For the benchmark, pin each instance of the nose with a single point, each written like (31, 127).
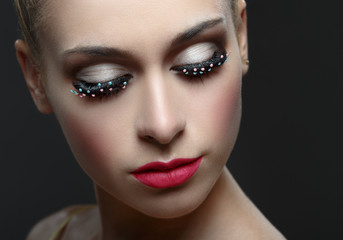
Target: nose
(161, 118)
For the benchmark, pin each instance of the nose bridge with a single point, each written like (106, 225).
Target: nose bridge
(161, 118)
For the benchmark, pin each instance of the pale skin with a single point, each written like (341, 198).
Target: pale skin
(160, 116)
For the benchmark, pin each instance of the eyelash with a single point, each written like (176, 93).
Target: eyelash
(101, 89)
(112, 87)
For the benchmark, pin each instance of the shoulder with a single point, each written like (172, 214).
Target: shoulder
(48, 225)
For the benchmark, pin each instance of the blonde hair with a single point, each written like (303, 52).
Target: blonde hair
(31, 16)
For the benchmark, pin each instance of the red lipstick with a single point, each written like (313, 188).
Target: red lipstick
(170, 174)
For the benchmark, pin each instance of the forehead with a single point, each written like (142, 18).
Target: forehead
(131, 24)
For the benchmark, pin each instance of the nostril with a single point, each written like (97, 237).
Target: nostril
(150, 138)
(161, 139)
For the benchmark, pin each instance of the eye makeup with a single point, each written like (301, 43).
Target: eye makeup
(102, 81)
(219, 58)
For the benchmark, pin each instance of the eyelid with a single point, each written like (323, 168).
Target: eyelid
(196, 53)
(101, 72)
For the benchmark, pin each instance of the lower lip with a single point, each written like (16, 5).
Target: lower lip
(168, 178)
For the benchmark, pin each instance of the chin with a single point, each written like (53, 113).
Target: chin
(177, 202)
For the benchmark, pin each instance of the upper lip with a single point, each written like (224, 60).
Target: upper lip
(164, 166)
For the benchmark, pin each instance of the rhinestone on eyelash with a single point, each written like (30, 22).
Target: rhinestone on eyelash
(199, 71)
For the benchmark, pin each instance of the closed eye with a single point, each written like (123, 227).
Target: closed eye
(218, 58)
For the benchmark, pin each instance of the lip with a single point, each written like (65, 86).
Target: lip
(166, 175)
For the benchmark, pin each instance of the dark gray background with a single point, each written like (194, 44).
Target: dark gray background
(288, 155)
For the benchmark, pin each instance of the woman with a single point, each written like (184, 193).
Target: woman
(148, 94)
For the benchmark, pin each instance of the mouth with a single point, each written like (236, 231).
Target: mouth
(166, 175)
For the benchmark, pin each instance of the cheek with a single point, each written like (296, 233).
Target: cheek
(218, 118)
(225, 110)
(96, 138)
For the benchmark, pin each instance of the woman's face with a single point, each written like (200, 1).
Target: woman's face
(162, 113)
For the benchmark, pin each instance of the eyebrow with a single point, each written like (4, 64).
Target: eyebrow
(115, 52)
(196, 30)
(97, 51)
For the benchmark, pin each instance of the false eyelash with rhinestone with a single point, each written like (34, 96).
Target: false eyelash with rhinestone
(100, 89)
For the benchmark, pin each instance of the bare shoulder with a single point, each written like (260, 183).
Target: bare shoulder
(48, 225)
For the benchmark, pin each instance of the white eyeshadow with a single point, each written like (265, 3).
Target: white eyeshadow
(100, 73)
(195, 54)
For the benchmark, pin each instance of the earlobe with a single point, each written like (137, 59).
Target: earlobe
(242, 34)
(32, 76)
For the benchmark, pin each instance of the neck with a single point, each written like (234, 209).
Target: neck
(120, 221)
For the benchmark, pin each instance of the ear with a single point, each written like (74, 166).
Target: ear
(242, 34)
(33, 76)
